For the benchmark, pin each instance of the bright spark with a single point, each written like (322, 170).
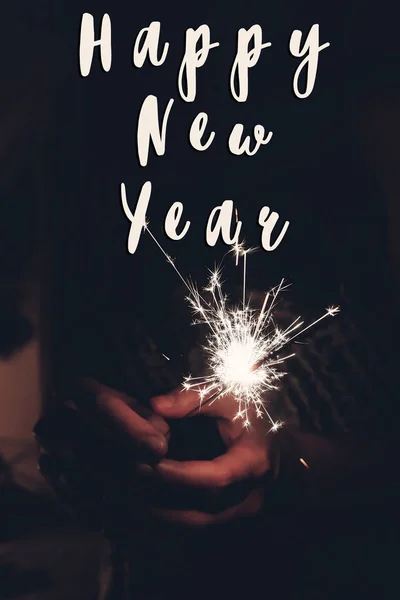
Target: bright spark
(242, 345)
(242, 349)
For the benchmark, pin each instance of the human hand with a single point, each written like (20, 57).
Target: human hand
(246, 462)
(90, 449)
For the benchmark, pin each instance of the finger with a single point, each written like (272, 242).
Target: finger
(193, 518)
(176, 404)
(244, 460)
(103, 392)
(141, 431)
(159, 423)
(187, 403)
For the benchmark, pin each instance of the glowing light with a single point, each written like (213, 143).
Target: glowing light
(242, 345)
(242, 349)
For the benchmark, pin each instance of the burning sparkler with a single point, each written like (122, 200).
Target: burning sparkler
(243, 344)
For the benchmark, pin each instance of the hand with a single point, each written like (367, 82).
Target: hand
(247, 460)
(144, 429)
(90, 450)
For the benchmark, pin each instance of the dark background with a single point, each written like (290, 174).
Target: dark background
(315, 172)
(320, 171)
(68, 142)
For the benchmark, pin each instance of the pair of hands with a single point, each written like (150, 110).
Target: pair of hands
(245, 462)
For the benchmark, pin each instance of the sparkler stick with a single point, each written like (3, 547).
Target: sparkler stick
(242, 346)
(167, 256)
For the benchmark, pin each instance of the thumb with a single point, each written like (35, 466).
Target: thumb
(177, 404)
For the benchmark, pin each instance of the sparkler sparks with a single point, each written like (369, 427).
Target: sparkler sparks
(242, 346)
